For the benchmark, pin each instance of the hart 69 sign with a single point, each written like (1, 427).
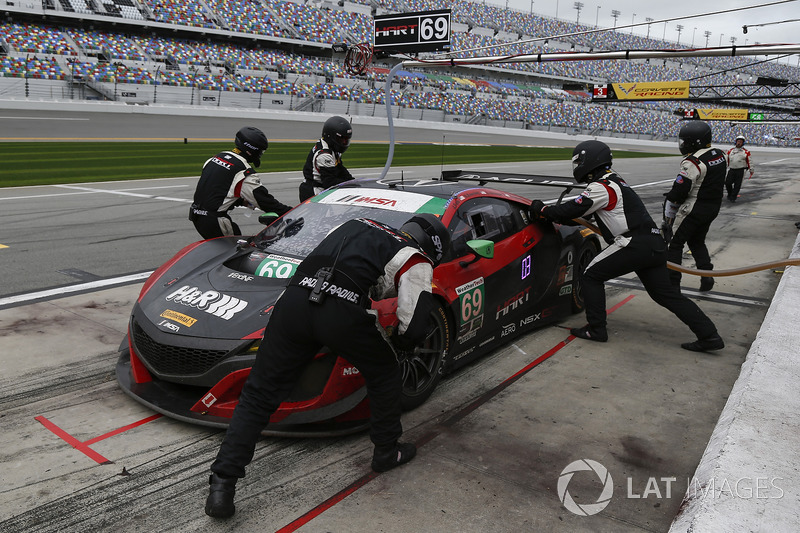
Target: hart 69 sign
(423, 31)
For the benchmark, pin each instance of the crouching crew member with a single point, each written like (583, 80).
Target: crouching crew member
(634, 245)
(228, 181)
(326, 304)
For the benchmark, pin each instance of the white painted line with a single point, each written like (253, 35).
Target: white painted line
(635, 284)
(124, 193)
(63, 291)
(44, 118)
(779, 160)
(86, 192)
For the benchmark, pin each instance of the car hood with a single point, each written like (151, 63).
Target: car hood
(221, 298)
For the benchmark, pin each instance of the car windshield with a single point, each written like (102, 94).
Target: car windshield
(301, 230)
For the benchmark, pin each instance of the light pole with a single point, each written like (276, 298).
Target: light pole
(155, 83)
(531, 7)
(597, 17)
(733, 41)
(615, 13)
(707, 34)
(578, 6)
(693, 32)
(720, 38)
(649, 20)
(632, 19)
(680, 29)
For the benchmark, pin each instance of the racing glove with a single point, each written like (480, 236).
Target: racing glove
(535, 210)
(403, 343)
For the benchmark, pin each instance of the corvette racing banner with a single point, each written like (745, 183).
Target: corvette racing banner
(722, 114)
(646, 90)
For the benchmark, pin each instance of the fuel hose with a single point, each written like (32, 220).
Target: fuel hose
(712, 273)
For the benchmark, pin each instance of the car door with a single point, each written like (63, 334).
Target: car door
(491, 295)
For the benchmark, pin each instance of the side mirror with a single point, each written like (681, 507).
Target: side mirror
(268, 218)
(481, 248)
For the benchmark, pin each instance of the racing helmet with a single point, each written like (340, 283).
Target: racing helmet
(251, 142)
(337, 132)
(740, 138)
(694, 135)
(589, 156)
(430, 234)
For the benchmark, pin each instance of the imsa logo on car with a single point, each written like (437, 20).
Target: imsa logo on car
(212, 302)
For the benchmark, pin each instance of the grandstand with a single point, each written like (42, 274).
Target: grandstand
(277, 54)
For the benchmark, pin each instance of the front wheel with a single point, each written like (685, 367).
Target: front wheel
(422, 368)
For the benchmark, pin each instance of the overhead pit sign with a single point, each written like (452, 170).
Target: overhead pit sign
(722, 114)
(422, 31)
(647, 90)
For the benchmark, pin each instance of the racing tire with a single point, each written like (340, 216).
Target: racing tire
(587, 252)
(422, 368)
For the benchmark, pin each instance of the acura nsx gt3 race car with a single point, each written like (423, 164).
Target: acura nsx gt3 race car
(200, 318)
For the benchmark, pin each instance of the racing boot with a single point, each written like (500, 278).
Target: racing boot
(220, 497)
(714, 342)
(589, 333)
(387, 457)
(706, 284)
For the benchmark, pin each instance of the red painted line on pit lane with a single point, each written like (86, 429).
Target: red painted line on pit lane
(460, 414)
(123, 429)
(83, 447)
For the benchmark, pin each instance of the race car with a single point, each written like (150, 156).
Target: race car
(198, 322)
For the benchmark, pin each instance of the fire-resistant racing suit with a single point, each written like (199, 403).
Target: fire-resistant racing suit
(692, 205)
(228, 181)
(635, 245)
(323, 169)
(739, 160)
(366, 260)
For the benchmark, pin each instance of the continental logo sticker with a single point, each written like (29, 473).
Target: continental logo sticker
(722, 114)
(649, 90)
(180, 318)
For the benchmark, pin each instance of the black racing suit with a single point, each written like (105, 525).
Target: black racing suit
(323, 169)
(228, 181)
(374, 261)
(635, 245)
(692, 205)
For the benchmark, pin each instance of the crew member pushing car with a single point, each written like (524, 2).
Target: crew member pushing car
(228, 181)
(326, 304)
(324, 167)
(634, 245)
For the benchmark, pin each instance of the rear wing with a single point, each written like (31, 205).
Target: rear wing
(483, 177)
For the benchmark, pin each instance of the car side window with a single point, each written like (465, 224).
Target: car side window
(492, 219)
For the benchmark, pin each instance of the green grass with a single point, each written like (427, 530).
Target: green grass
(42, 163)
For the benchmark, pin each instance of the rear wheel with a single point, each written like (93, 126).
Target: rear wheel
(586, 253)
(422, 368)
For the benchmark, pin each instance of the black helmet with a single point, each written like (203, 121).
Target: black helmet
(431, 235)
(694, 135)
(587, 157)
(337, 132)
(251, 142)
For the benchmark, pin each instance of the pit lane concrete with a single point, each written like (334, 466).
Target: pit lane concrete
(490, 455)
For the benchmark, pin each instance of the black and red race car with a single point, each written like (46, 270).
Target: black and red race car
(200, 318)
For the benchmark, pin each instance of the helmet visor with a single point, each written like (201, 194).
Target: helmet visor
(577, 160)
